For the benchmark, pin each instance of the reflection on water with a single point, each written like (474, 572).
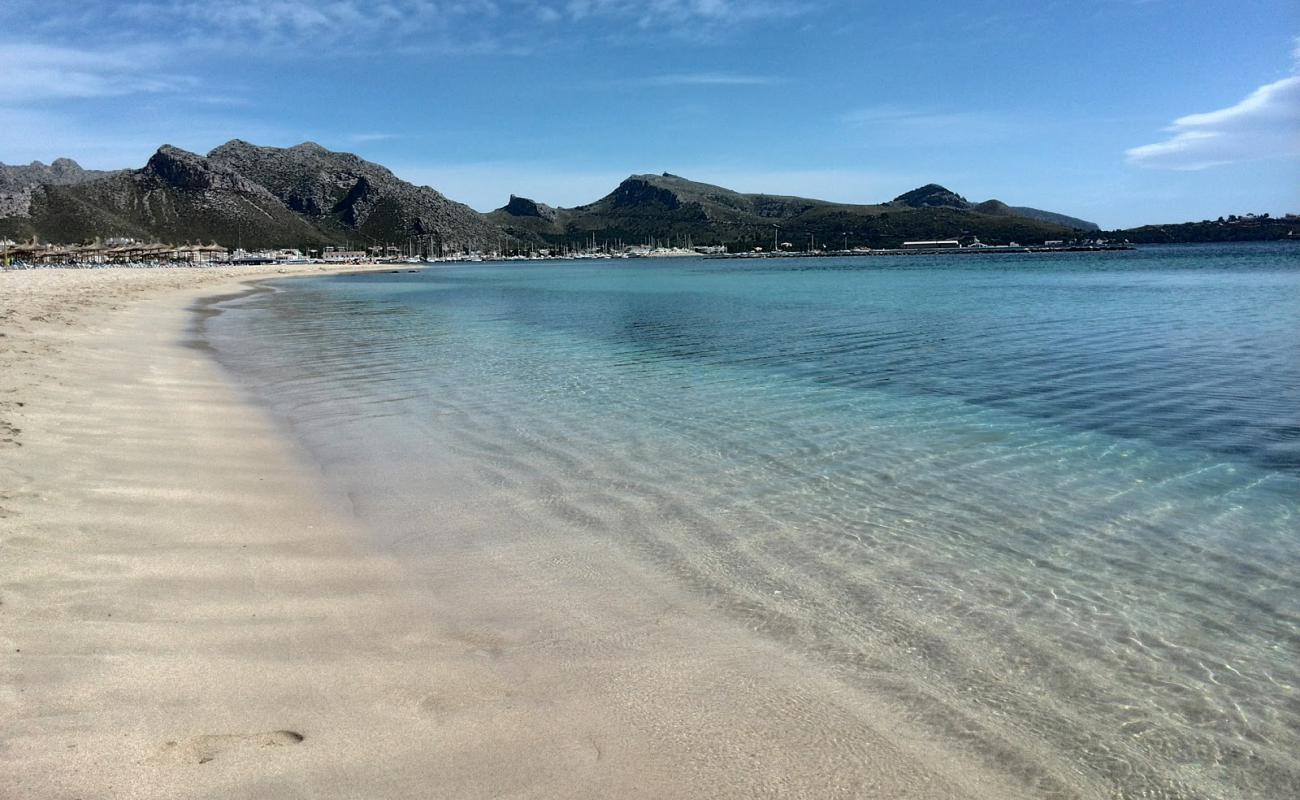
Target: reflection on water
(1046, 506)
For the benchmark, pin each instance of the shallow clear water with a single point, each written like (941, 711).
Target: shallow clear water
(1047, 507)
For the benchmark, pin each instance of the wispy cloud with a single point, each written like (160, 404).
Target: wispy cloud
(43, 72)
(704, 79)
(365, 138)
(651, 13)
(699, 21)
(354, 27)
(928, 125)
(301, 24)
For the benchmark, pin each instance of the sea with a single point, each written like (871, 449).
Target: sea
(1044, 506)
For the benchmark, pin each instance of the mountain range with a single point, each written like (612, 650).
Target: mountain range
(306, 196)
(237, 195)
(669, 207)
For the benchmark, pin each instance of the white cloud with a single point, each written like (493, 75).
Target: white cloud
(42, 72)
(1266, 124)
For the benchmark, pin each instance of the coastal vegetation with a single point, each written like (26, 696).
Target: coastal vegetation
(1233, 228)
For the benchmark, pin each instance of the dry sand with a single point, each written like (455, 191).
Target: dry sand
(182, 616)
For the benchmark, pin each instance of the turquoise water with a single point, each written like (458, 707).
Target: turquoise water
(1045, 506)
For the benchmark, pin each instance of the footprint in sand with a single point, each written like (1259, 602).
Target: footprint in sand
(202, 749)
(9, 434)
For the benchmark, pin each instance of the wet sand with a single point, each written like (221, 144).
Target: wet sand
(184, 614)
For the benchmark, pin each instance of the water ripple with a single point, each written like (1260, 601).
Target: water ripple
(1048, 508)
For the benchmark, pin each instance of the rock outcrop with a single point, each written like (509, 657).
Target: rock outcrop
(523, 207)
(345, 194)
(19, 183)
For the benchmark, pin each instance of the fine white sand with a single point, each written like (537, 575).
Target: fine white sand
(181, 615)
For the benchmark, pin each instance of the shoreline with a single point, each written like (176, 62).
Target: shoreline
(184, 617)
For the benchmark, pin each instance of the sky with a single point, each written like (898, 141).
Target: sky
(1123, 112)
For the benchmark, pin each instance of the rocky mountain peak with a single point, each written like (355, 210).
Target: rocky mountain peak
(932, 195)
(232, 146)
(344, 191)
(524, 207)
(66, 166)
(185, 170)
(20, 184)
(640, 191)
(179, 167)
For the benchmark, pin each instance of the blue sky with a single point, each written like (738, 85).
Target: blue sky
(1120, 111)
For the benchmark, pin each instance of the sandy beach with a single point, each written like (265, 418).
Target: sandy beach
(183, 615)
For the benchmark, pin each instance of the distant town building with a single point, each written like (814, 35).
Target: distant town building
(343, 255)
(932, 244)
